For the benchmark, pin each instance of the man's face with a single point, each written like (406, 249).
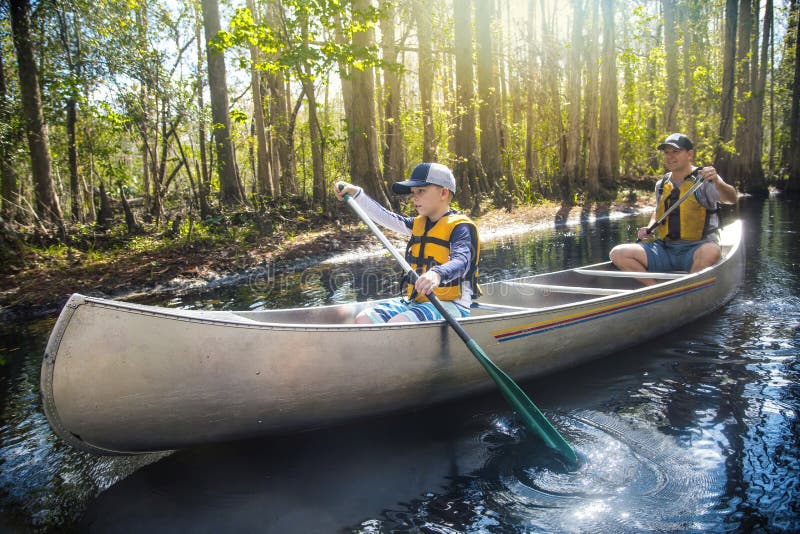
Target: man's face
(675, 158)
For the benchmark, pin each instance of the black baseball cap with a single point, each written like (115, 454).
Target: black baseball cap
(677, 140)
(426, 174)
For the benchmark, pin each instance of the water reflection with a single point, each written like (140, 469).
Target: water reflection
(696, 430)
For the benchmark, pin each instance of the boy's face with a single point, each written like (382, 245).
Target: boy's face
(430, 199)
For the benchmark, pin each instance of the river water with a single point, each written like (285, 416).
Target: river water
(694, 431)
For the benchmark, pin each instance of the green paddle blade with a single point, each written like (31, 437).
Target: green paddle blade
(533, 419)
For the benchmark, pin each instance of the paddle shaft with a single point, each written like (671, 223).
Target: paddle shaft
(672, 208)
(532, 417)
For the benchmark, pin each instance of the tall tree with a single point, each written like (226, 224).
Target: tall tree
(317, 138)
(423, 14)
(48, 207)
(204, 179)
(488, 94)
(571, 172)
(362, 133)
(673, 78)
(230, 188)
(8, 140)
(746, 63)
(608, 142)
(279, 118)
(393, 160)
(793, 185)
(591, 118)
(466, 166)
(71, 43)
(688, 37)
(722, 156)
(530, 90)
(754, 171)
(263, 179)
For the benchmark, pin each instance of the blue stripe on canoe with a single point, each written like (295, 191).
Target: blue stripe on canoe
(525, 332)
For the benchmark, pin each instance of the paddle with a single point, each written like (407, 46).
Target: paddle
(531, 416)
(686, 195)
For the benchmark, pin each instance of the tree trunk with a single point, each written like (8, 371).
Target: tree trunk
(393, 160)
(466, 166)
(130, 218)
(530, 119)
(10, 183)
(263, 181)
(72, 158)
(488, 95)
(423, 14)
(552, 102)
(793, 185)
(591, 127)
(754, 182)
(571, 172)
(320, 187)
(283, 159)
(104, 215)
(362, 134)
(689, 37)
(204, 181)
(48, 208)
(230, 190)
(745, 55)
(608, 148)
(74, 60)
(673, 75)
(722, 156)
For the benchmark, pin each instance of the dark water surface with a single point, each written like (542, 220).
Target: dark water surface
(694, 431)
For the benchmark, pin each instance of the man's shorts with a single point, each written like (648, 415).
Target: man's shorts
(413, 311)
(664, 256)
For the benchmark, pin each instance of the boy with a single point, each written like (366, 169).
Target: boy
(443, 247)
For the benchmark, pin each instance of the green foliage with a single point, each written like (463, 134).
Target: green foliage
(136, 81)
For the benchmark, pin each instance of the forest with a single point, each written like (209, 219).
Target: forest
(176, 118)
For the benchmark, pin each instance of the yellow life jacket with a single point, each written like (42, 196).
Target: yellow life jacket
(689, 221)
(427, 249)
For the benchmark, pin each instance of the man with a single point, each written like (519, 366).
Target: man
(443, 247)
(688, 239)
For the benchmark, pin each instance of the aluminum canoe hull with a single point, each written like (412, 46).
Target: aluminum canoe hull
(121, 378)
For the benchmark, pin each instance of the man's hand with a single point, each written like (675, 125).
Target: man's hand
(709, 174)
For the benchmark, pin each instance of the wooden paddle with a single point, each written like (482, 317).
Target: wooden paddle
(686, 195)
(531, 416)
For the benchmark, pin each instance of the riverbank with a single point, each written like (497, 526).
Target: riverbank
(40, 285)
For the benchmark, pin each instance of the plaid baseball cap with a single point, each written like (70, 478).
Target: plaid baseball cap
(426, 174)
(677, 140)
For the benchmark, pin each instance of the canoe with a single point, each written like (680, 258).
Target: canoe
(122, 378)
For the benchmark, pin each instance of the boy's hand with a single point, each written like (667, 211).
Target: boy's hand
(342, 188)
(427, 282)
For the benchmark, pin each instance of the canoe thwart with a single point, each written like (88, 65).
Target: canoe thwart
(630, 274)
(570, 289)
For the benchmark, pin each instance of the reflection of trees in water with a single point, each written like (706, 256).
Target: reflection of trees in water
(565, 247)
(730, 383)
(364, 280)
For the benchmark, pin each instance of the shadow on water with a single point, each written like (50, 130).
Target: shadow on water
(694, 431)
